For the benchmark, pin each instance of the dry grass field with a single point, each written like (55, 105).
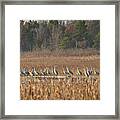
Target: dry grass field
(72, 88)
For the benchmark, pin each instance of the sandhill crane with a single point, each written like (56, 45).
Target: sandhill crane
(96, 72)
(23, 72)
(44, 71)
(48, 71)
(79, 72)
(91, 70)
(52, 71)
(55, 72)
(86, 73)
(34, 72)
(65, 72)
(30, 73)
(69, 71)
(41, 72)
(27, 72)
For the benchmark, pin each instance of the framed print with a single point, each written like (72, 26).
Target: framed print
(60, 59)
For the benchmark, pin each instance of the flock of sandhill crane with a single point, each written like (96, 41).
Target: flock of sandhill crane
(87, 72)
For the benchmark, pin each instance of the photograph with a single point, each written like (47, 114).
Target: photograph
(59, 59)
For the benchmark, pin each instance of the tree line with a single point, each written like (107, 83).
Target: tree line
(59, 34)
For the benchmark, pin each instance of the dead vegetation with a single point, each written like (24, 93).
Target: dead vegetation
(60, 89)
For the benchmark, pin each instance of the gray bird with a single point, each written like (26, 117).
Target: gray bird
(96, 72)
(48, 71)
(66, 73)
(86, 73)
(79, 72)
(22, 72)
(34, 72)
(69, 71)
(27, 72)
(55, 72)
(42, 73)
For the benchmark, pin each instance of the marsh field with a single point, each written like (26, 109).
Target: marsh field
(75, 87)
